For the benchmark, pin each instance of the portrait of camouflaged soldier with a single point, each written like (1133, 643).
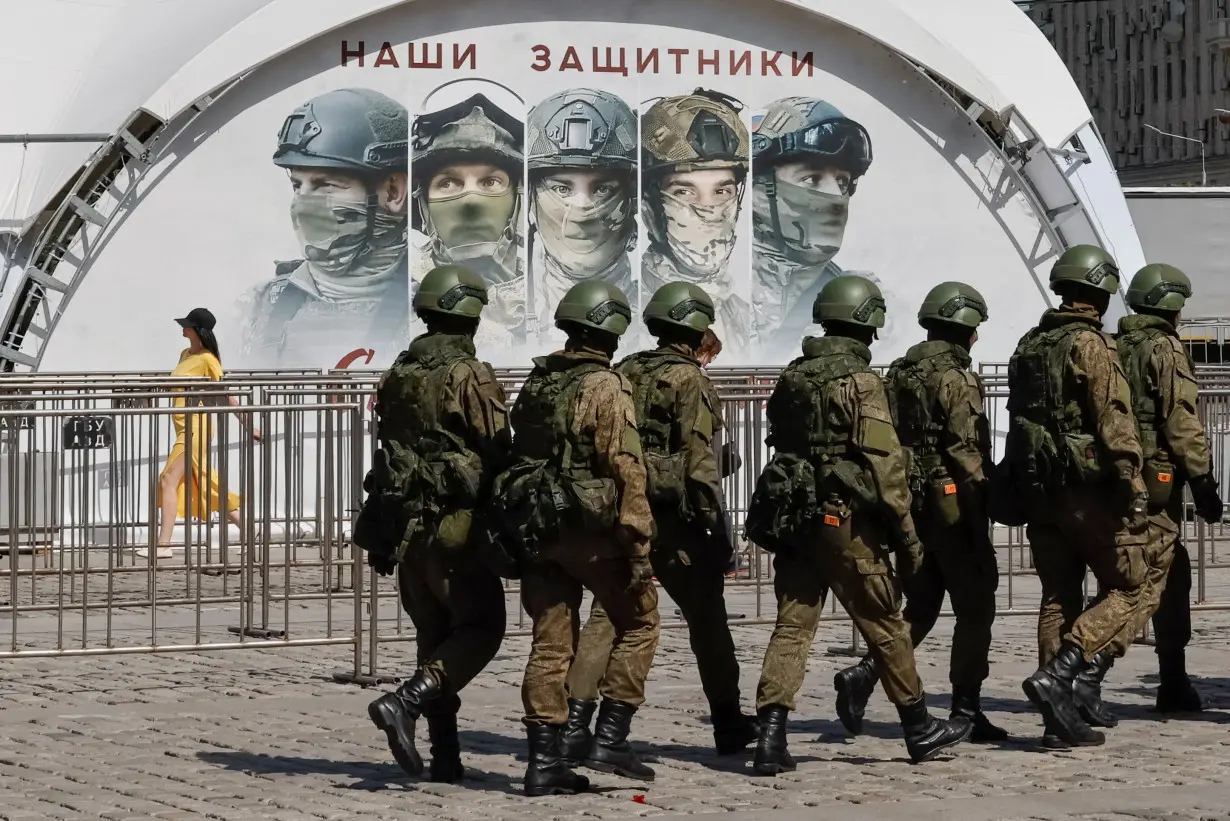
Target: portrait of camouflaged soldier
(344, 153)
(466, 181)
(694, 163)
(582, 146)
(807, 160)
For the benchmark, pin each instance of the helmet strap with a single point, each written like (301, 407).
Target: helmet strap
(770, 187)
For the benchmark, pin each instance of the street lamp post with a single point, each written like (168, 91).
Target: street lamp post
(1204, 177)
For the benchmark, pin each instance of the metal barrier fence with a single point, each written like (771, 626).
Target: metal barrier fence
(80, 459)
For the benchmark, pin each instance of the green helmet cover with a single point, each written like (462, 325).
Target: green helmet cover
(1086, 265)
(594, 304)
(681, 304)
(851, 299)
(955, 303)
(453, 290)
(1159, 287)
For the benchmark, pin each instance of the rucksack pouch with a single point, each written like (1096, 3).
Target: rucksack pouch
(783, 506)
(666, 482)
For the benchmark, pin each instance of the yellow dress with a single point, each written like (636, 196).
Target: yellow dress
(207, 499)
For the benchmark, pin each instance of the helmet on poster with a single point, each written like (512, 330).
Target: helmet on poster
(1088, 266)
(953, 303)
(1159, 287)
(582, 128)
(594, 304)
(681, 304)
(693, 132)
(453, 290)
(851, 300)
(350, 129)
(802, 128)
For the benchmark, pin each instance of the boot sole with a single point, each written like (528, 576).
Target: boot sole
(1050, 716)
(1093, 721)
(770, 770)
(612, 769)
(411, 765)
(854, 728)
(931, 754)
(539, 792)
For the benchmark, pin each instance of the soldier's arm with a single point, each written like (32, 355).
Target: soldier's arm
(876, 439)
(699, 419)
(1180, 423)
(605, 409)
(966, 437)
(482, 412)
(1108, 400)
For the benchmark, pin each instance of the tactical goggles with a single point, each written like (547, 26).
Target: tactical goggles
(1101, 272)
(841, 139)
(681, 311)
(949, 309)
(459, 292)
(601, 313)
(1163, 289)
(870, 306)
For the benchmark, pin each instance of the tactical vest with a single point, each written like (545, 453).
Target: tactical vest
(806, 385)
(1135, 350)
(542, 418)
(416, 417)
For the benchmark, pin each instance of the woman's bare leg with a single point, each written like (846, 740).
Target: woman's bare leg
(168, 503)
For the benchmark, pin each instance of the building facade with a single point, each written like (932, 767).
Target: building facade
(1150, 66)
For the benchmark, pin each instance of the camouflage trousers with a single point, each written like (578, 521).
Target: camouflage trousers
(551, 594)
(694, 580)
(851, 559)
(458, 612)
(1078, 530)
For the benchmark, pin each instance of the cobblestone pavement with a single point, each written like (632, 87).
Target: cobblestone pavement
(269, 734)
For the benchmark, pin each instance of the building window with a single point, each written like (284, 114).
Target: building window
(1153, 80)
(1127, 49)
(1169, 82)
(1183, 79)
(1197, 77)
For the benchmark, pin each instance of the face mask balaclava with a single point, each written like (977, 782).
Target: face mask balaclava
(700, 238)
(810, 223)
(471, 224)
(343, 256)
(586, 239)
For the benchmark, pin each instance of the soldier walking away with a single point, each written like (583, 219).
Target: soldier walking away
(1172, 440)
(938, 409)
(1073, 460)
(582, 151)
(830, 504)
(574, 503)
(443, 431)
(678, 414)
(345, 153)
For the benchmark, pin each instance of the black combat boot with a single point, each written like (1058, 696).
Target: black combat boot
(441, 717)
(395, 713)
(576, 739)
(1175, 693)
(547, 774)
(967, 705)
(772, 757)
(733, 731)
(854, 688)
(1050, 690)
(925, 735)
(611, 752)
(1087, 692)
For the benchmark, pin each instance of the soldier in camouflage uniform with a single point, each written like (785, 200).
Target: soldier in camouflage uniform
(466, 181)
(445, 406)
(937, 405)
(345, 154)
(694, 161)
(582, 162)
(807, 159)
(831, 498)
(576, 417)
(679, 414)
(1073, 460)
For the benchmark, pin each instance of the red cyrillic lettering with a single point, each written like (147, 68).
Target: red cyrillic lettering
(542, 55)
(348, 52)
(386, 57)
(745, 62)
(643, 59)
(572, 61)
(798, 65)
(426, 62)
(609, 67)
(678, 54)
(460, 57)
(767, 63)
(702, 61)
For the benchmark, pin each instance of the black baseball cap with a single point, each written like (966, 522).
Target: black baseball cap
(198, 318)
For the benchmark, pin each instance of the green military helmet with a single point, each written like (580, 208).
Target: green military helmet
(351, 129)
(451, 289)
(595, 304)
(682, 304)
(1086, 265)
(802, 128)
(851, 299)
(582, 128)
(955, 303)
(1159, 287)
(694, 131)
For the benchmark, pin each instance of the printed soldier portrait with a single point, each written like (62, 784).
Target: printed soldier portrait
(344, 154)
(695, 157)
(582, 158)
(807, 160)
(466, 181)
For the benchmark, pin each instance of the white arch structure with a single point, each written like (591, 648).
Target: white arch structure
(985, 54)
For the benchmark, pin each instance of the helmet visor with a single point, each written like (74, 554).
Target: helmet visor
(840, 139)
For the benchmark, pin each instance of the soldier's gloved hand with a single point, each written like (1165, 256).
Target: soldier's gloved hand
(381, 563)
(1208, 502)
(642, 574)
(731, 460)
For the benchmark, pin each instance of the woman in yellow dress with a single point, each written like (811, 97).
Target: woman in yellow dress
(201, 358)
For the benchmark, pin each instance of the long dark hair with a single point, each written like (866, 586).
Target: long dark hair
(208, 341)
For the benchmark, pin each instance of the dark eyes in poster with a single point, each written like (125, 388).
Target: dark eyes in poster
(694, 164)
(582, 152)
(466, 182)
(344, 153)
(807, 159)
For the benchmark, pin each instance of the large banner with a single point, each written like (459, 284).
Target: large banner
(304, 213)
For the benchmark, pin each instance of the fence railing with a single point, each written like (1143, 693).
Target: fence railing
(80, 461)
